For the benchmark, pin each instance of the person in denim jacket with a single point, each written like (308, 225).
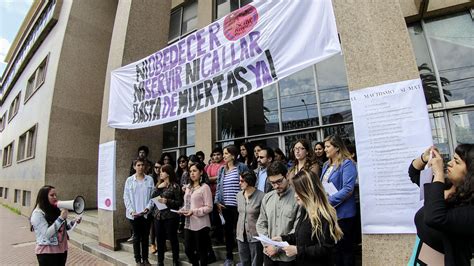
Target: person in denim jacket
(226, 196)
(340, 170)
(50, 226)
(136, 197)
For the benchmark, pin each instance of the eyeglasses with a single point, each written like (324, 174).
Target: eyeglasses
(277, 182)
(157, 167)
(182, 162)
(299, 148)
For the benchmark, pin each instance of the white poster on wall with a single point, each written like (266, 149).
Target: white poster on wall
(391, 127)
(106, 177)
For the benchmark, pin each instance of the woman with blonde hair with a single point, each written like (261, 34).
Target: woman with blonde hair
(317, 229)
(303, 159)
(340, 174)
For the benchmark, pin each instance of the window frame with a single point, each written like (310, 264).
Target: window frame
(181, 9)
(29, 144)
(34, 82)
(7, 159)
(14, 107)
(3, 121)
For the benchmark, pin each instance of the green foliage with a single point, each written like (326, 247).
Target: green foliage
(430, 85)
(13, 209)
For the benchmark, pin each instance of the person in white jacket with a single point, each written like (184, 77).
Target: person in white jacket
(50, 226)
(136, 196)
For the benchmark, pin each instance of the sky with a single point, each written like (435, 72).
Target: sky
(12, 13)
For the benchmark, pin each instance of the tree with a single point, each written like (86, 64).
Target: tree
(430, 85)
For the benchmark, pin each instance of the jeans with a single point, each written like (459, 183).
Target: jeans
(251, 253)
(141, 230)
(55, 259)
(167, 229)
(196, 246)
(231, 215)
(344, 247)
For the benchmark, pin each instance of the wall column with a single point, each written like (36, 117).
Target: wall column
(140, 29)
(377, 50)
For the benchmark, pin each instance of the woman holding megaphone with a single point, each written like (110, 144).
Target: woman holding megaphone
(50, 226)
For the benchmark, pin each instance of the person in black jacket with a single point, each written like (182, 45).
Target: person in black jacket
(166, 221)
(445, 223)
(317, 230)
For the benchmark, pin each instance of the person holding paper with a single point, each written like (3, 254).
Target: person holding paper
(303, 159)
(197, 206)
(278, 214)
(136, 196)
(338, 178)
(445, 223)
(249, 201)
(156, 177)
(317, 229)
(167, 193)
(226, 196)
(50, 226)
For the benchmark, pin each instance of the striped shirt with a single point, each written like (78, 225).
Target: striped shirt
(231, 187)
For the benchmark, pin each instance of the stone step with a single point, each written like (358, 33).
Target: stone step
(88, 217)
(88, 230)
(219, 251)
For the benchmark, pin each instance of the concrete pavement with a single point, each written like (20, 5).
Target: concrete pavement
(17, 245)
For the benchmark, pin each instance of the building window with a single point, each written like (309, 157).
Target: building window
(183, 21)
(37, 79)
(178, 136)
(1, 192)
(14, 106)
(444, 50)
(3, 121)
(26, 198)
(224, 7)
(452, 43)
(5, 193)
(310, 103)
(17, 197)
(7, 155)
(27, 145)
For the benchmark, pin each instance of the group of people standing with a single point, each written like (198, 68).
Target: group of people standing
(307, 203)
(243, 192)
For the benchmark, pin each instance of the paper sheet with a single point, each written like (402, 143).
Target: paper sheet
(268, 241)
(159, 205)
(330, 188)
(392, 127)
(426, 176)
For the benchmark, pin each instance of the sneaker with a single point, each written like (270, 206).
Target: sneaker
(130, 239)
(228, 262)
(146, 262)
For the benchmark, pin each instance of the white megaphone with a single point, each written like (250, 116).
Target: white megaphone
(77, 205)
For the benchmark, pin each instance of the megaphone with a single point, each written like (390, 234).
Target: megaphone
(77, 205)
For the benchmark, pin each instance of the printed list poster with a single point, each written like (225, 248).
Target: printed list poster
(106, 176)
(391, 127)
